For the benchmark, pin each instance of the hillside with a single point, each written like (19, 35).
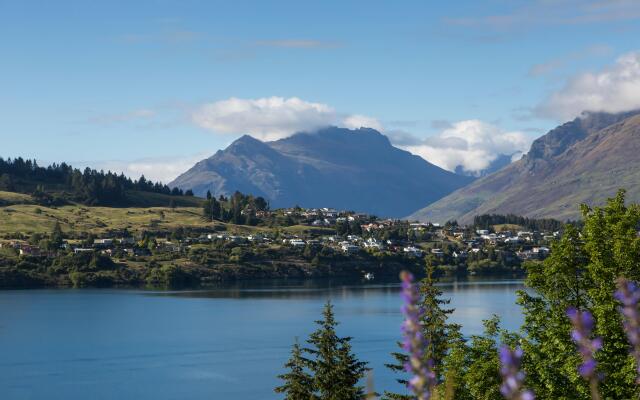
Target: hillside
(334, 167)
(583, 161)
(24, 181)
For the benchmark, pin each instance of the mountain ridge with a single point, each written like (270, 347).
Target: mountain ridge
(332, 167)
(552, 177)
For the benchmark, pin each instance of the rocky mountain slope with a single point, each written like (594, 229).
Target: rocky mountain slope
(334, 167)
(582, 161)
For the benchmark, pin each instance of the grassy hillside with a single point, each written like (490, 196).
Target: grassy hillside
(28, 218)
(9, 198)
(19, 214)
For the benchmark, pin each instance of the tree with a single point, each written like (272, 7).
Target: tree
(298, 384)
(336, 371)
(581, 273)
(57, 237)
(439, 333)
(209, 195)
(6, 183)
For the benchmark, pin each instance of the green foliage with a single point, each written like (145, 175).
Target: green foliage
(336, 371)
(486, 221)
(239, 209)
(297, 382)
(89, 187)
(436, 329)
(581, 273)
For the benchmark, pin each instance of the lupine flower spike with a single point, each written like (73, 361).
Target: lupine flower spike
(582, 322)
(512, 376)
(629, 295)
(423, 378)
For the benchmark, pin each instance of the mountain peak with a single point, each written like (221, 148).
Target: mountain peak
(335, 167)
(582, 161)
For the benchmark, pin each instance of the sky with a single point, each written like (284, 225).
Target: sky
(151, 87)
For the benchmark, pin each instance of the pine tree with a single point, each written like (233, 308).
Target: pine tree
(581, 272)
(437, 331)
(350, 371)
(336, 370)
(57, 237)
(298, 384)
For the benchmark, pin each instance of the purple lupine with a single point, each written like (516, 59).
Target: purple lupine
(582, 322)
(414, 342)
(512, 376)
(629, 295)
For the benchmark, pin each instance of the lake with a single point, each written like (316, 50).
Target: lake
(228, 343)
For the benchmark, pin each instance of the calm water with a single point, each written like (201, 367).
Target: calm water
(228, 343)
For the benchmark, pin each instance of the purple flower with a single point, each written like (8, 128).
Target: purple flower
(512, 377)
(582, 322)
(629, 294)
(414, 343)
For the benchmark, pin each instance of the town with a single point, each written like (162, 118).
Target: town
(282, 243)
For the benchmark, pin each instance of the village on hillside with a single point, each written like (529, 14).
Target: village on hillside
(310, 237)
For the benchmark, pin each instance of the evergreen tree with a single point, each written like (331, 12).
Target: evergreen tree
(57, 237)
(336, 371)
(436, 329)
(581, 273)
(297, 383)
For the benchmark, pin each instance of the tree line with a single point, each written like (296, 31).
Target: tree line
(239, 209)
(90, 187)
(537, 224)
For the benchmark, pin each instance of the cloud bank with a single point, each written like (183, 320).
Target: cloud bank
(273, 118)
(615, 88)
(471, 144)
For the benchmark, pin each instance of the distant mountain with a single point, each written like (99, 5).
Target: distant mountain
(334, 167)
(582, 161)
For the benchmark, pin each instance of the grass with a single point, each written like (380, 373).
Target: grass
(27, 219)
(14, 198)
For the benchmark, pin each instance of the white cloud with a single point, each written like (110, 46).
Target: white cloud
(272, 118)
(615, 88)
(471, 144)
(163, 169)
(361, 121)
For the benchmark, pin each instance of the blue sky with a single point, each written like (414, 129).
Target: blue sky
(120, 84)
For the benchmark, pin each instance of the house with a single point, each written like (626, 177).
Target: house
(437, 252)
(79, 250)
(373, 244)
(102, 243)
(297, 243)
(349, 248)
(127, 241)
(413, 251)
(29, 251)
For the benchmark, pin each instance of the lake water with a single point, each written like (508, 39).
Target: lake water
(228, 343)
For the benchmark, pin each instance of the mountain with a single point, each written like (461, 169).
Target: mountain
(582, 161)
(333, 167)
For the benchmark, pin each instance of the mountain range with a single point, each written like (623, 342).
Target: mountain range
(333, 167)
(582, 161)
